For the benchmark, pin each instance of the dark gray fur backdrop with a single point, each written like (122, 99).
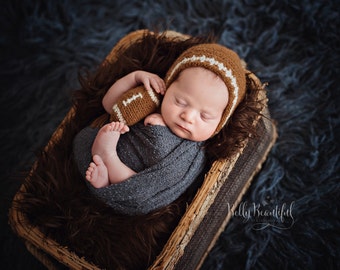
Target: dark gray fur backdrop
(292, 45)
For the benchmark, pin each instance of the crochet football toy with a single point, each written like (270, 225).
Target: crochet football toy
(134, 105)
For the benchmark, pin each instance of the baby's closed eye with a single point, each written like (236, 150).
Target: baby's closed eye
(180, 102)
(207, 116)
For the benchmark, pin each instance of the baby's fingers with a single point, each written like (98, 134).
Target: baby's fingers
(158, 85)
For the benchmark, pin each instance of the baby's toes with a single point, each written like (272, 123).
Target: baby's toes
(123, 128)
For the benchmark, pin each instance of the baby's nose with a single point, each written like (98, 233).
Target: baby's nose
(188, 115)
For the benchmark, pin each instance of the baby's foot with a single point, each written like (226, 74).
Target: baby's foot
(97, 173)
(107, 138)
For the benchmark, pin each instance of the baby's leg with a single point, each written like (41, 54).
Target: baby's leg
(97, 173)
(107, 138)
(105, 146)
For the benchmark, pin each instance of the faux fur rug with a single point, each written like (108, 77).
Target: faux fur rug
(289, 218)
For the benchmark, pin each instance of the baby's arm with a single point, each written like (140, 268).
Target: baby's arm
(133, 79)
(154, 119)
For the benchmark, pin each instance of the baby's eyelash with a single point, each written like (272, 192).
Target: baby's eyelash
(180, 102)
(205, 116)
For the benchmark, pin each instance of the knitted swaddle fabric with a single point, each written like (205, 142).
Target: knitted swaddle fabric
(166, 164)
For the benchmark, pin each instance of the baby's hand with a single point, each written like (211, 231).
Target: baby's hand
(150, 81)
(154, 119)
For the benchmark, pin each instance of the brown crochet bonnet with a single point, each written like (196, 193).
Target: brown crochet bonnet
(225, 63)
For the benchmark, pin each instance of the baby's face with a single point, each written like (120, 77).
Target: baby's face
(193, 104)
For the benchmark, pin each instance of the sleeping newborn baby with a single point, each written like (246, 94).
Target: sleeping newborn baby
(148, 165)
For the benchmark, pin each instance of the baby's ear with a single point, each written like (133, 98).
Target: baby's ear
(134, 105)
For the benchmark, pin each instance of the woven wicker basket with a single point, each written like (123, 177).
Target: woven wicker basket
(205, 218)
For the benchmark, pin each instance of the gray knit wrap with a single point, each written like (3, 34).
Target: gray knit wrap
(166, 164)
